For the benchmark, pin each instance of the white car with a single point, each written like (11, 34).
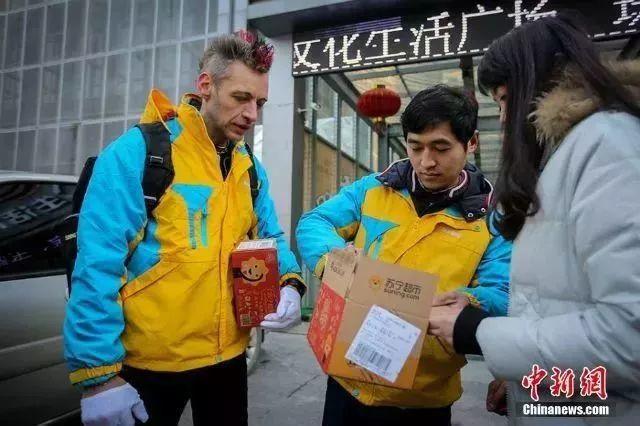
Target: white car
(34, 381)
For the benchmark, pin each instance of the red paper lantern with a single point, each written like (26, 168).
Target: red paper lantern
(378, 104)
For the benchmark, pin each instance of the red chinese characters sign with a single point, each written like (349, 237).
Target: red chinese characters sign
(593, 382)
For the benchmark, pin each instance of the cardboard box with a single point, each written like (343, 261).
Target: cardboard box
(373, 313)
(256, 279)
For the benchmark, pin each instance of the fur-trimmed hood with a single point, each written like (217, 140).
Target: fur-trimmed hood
(571, 101)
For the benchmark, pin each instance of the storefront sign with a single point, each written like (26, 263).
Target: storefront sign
(447, 32)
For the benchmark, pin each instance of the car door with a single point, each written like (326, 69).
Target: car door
(34, 384)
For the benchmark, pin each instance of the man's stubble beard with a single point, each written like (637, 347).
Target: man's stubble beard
(215, 134)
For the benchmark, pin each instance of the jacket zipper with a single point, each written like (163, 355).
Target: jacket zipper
(223, 273)
(193, 218)
(204, 240)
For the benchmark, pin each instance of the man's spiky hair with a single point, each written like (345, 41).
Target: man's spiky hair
(243, 46)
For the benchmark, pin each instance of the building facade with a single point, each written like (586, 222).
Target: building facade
(75, 74)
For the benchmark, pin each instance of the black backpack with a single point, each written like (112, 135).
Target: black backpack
(158, 175)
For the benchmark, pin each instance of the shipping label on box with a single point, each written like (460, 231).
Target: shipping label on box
(383, 343)
(255, 281)
(381, 312)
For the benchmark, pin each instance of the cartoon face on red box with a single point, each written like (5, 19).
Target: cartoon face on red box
(254, 271)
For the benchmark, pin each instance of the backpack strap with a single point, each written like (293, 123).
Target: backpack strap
(158, 175)
(67, 228)
(158, 166)
(83, 184)
(254, 182)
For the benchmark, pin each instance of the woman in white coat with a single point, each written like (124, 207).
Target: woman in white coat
(568, 194)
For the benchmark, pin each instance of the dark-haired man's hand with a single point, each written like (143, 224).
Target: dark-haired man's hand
(455, 298)
(497, 397)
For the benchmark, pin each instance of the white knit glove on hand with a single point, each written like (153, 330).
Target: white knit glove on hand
(114, 407)
(288, 313)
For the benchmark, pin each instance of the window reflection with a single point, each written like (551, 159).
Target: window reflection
(165, 70)
(50, 92)
(3, 21)
(8, 148)
(26, 153)
(119, 24)
(13, 52)
(34, 36)
(364, 143)
(348, 122)
(490, 133)
(45, 152)
(168, 20)
(54, 32)
(71, 90)
(66, 149)
(9, 110)
(193, 17)
(96, 36)
(29, 96)
(93, 83)
(29, 213)
(327, 114)
(116, 84)
(143, 15)
(191, 53)
(74, 44)
(140, 80)
(88, 144)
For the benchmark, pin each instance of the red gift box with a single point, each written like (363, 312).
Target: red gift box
(255, 281)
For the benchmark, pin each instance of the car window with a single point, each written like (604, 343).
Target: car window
(30, 244)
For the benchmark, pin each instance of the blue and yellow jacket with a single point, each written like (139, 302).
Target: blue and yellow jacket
(378, 215)
(157, 294)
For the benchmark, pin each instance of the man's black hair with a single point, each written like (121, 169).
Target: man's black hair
(441, 104)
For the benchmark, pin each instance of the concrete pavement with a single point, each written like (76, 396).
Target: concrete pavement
(287, 388)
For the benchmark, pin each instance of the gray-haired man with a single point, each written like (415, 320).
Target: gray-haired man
(150, 321)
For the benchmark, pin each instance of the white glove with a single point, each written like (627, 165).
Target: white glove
(288, 313)
(114, 407)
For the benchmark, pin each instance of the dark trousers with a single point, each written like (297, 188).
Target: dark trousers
(218, 393)
(342, 409)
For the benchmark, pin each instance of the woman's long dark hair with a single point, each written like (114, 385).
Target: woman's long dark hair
(529, 60)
